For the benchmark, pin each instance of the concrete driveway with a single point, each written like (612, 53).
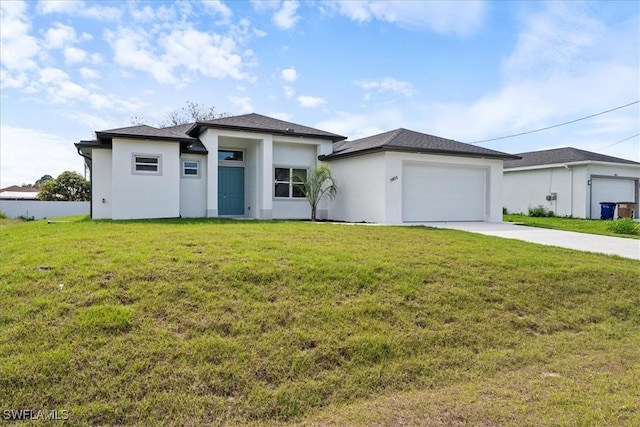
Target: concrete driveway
(627, 248)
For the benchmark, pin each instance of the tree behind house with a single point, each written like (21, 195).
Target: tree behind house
(317, 185)
(193, 112)
(42, 180)
(68, 186)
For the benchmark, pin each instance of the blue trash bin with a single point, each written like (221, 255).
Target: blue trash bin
(607, 209)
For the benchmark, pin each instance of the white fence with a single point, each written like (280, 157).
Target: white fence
(39, 209)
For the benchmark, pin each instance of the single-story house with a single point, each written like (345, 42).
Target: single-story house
(246, 166)
(16, 192)
(569, 182)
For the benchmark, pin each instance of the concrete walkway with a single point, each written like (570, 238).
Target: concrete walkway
(627, 248)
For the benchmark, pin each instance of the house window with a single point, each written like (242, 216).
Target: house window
(288, 182)
(230, 155)
(146, 164)
(191, 168)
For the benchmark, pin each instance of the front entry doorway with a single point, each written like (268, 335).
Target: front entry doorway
(230, 190)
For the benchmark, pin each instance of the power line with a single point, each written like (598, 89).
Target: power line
(555, 126)
(622, 140)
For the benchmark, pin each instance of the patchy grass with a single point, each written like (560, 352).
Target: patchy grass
(243, 322)
(590, 226)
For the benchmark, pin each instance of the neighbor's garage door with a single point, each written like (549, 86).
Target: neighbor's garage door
(610, 190)
(443, 193)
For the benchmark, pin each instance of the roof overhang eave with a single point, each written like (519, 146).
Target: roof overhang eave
(332, 138)
(107, 136)
(417, 151)
(569, 164)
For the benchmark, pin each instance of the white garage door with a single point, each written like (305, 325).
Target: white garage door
(443, 193)
(610, 190)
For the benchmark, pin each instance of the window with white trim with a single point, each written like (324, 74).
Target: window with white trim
(146, 164)
(288, 183)
(191, 168)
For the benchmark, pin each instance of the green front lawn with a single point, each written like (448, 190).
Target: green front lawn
(591, 226)
(244, 322)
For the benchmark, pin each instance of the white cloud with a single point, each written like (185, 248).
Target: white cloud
(80, 8)
(17, 80)
(74, 55)
(311, 101)
(18, 47)
(557, 72)
(58, 36)
(265, 5)
(218, 8)
(95, 58)
(360, 125)
(288, 91)
(212, 55)
(459, 18)
(259, 33)
(183, 50)
(289, 74)
(43, 152)
(388, 84)
(552, 40)
(60, 89)
(145, 14)
(286, 17)
(245, 103)
(89, 73)
(134, 50)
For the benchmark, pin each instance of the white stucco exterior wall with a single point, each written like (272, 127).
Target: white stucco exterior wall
(193, 189)
(101, 183)
(145, 195)
(209, 139)
(361, 189)
(297, 155)
(528, 189)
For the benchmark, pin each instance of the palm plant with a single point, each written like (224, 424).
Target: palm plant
(318, 184)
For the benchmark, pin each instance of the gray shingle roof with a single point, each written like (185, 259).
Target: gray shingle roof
(260, 123)
(173, 133)
(408, 140)
(145, 131)
(561, 155)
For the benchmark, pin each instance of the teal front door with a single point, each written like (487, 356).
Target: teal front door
(230, 190)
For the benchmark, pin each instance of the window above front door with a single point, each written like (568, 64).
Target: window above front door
(231, 155)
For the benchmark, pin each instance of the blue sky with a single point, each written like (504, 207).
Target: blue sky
(463, 70)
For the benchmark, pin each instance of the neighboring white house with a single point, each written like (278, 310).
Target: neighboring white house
(245, 166)
(16, 192)
(569, 182)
